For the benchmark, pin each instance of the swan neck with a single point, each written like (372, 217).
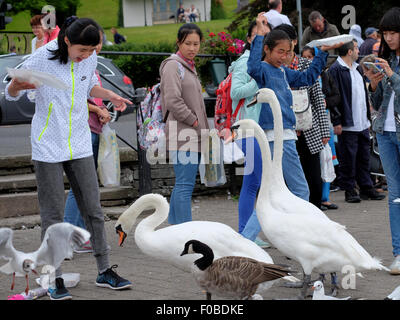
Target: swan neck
(148, 202)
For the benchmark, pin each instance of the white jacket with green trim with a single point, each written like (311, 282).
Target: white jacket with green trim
(60, 129)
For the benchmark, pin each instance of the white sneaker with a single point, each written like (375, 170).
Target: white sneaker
(395, 266)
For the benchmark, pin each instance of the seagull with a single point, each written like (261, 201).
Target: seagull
(319, 293)
(56, 246)
(395, 295)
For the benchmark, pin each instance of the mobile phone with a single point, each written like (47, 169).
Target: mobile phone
(373, 67)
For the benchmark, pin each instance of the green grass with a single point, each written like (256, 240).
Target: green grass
(165, 32)
(105, 12)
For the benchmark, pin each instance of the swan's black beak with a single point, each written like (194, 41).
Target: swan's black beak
(184, 252)
(253, 102)
(122, 235)
(233, 134)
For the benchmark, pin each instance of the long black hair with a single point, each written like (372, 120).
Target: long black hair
(389, 22)
(83, 31)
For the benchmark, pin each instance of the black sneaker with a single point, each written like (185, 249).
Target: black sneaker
(371, 194)
(351, 196)
(110, 279)
(59, 292)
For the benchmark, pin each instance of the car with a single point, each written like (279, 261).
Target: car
(21, 111)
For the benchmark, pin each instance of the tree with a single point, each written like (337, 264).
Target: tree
(64, 8)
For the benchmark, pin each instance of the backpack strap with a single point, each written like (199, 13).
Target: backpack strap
(240, 104)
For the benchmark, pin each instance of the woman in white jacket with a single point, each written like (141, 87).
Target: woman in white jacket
(61, 138)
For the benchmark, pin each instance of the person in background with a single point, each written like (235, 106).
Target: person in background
(385, 97)
(309, 142)
(193, 13)
(118, 38)
(377, 44)
(98, 116)
(355, 31)
(371, 35)
(353, 128)
(183, 107)
(244, 87)
(274, 15)
(38, 31)
(180, 14)
(332, 100)
(319, 28)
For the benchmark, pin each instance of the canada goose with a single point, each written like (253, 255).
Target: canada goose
(56, 246)
(231, 277)
(166, 243)
(297, 228)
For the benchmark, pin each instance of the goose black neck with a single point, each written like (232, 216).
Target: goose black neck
(207, 259)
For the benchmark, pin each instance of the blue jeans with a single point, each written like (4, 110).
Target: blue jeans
(294, 178)
(186, 165)
(389, 151)
(71, 211)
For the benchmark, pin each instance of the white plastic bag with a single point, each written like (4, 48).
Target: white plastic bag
(327, 169)
(232, 153)
(211, 168)
(109, 169)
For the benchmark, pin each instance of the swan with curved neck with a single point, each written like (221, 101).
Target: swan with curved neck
(294, 226)
(166, 243)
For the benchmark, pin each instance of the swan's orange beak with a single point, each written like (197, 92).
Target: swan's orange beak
(312, 288)
(230, 137)
(122, 235)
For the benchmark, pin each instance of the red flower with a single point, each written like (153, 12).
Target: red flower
(211, 34)
(231, 49)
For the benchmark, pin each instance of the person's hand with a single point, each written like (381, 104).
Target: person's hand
(325, 141)
(385, 66)
(225, 133)
(374, 78)
(17, 85)
(104, 115)
(332, 47)
(337, 129)
(119, 102)
(262, 24)
(195, 124)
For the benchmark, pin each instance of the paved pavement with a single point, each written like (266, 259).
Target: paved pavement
(154, 280)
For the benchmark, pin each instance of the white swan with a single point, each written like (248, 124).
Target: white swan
(294, 226)
(166, 243)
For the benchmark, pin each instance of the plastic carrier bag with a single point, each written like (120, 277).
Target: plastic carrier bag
(327, 168)
(211, 168)
(109, 169)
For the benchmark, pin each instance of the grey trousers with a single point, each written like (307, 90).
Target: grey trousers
(82, 177)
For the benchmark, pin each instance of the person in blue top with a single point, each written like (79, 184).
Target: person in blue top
(270, 73)
(244, 87)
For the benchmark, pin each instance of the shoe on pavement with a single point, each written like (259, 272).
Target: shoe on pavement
(395, 266)
(371, 194)
(84, 248)
(330, 206)
(351, 196)
(110, 279)
(59, 292)
(262, 244)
